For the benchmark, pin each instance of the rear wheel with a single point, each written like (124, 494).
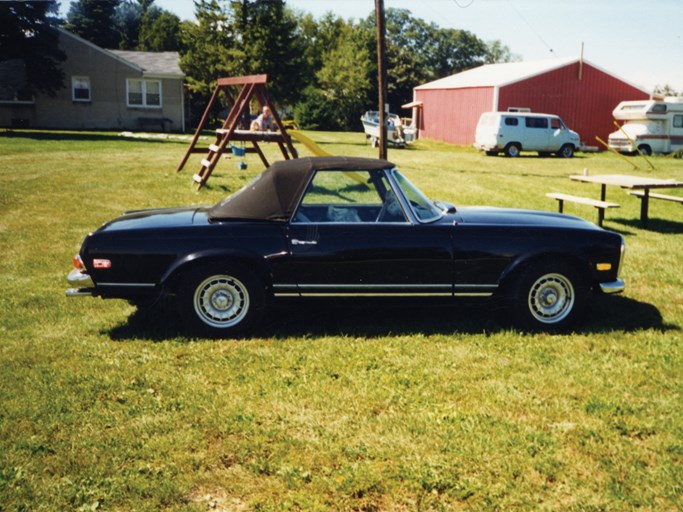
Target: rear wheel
(512, 150)
(549, 296)
(220, 301)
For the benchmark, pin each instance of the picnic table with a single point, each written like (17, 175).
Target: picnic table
(641, 183)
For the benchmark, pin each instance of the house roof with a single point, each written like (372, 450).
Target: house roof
(165, 64)
(497, 75)
(151, 64)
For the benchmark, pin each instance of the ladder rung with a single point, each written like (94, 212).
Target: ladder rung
(197, 178)
(214, 148)
(206, 163)
(221, 131)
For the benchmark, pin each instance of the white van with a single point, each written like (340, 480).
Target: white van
(651, 126)
(513, 132)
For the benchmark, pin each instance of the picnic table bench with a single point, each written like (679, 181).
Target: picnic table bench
(663, 197)
(601, 206)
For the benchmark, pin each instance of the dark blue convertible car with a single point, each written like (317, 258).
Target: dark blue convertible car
(346, 227)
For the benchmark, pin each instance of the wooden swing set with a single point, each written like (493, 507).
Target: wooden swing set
(234, 129)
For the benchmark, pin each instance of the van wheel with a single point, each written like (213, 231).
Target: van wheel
(566, 151)
(512, 150)
(645, 149)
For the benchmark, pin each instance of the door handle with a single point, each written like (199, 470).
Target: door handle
(304, 242)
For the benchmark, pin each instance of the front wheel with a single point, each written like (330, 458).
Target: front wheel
(548, 297)
(645, 149)
(220, 302)
(566, 151)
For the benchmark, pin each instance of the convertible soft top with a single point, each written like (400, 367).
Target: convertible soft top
(274, 194)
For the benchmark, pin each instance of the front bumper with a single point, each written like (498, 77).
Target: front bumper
(82, 284)
(613, 287)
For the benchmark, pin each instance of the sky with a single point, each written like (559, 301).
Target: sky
(639, 41)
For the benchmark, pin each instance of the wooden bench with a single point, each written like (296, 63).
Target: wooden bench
(154, 121)
(663, 197)
(595, 203)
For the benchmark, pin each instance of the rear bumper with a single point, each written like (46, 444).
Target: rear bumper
(613, 287)
(82, 284)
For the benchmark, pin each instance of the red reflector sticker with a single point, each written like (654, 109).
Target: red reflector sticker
(99, 263)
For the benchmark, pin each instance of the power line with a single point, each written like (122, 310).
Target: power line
(531, 27)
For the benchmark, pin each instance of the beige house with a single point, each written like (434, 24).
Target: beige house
(104, 90)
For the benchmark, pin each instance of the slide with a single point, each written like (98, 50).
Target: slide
(308, 143)
(318, 151)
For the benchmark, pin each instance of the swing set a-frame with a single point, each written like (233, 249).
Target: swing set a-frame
(236, 125)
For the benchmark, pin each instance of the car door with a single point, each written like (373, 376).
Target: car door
(537, 134)
(345, 240)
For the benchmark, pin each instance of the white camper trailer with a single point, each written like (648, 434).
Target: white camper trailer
(651, 126)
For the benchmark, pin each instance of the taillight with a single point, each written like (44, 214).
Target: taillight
(101, 263)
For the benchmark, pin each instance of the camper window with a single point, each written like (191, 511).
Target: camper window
(536, 122)
(678, 121)
(659, 107)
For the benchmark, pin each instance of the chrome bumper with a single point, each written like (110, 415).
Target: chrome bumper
(83, 285)
(613, 287)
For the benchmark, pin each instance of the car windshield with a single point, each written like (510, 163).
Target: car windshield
(424, 209)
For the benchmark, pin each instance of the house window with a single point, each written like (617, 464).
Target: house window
(143, 93)
(80, 88)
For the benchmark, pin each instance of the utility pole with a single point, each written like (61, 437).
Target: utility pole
(381, 77)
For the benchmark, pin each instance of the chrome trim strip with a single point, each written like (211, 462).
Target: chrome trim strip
(377, 294)
(374, 286)
(129, 285)
(383, 290)
(613, 287)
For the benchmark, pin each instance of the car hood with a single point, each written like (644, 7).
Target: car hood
(159, 218)
(515, 217)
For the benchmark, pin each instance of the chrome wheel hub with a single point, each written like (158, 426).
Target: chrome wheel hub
(551, 298)
(221, 301)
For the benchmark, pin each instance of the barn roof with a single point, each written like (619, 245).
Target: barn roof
(498, 75)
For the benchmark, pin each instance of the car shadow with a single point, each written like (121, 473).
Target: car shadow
(316, 319)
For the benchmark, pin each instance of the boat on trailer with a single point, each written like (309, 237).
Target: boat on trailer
(397, 133)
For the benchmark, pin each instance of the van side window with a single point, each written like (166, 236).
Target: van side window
(511, 121)
(678, 121)
(555, 124)
(536, 122)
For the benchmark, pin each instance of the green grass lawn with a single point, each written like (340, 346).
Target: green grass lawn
(328, 408)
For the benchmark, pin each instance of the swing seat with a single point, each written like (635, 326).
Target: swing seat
(238, 151)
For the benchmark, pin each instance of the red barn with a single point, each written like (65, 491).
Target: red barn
(580, 93)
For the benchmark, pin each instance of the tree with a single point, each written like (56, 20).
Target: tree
(665, 90)
(344, 79)
(267, 34)
(127, 18)
(209, 50)
(159, 31)
(29, 45)
(94, 20)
